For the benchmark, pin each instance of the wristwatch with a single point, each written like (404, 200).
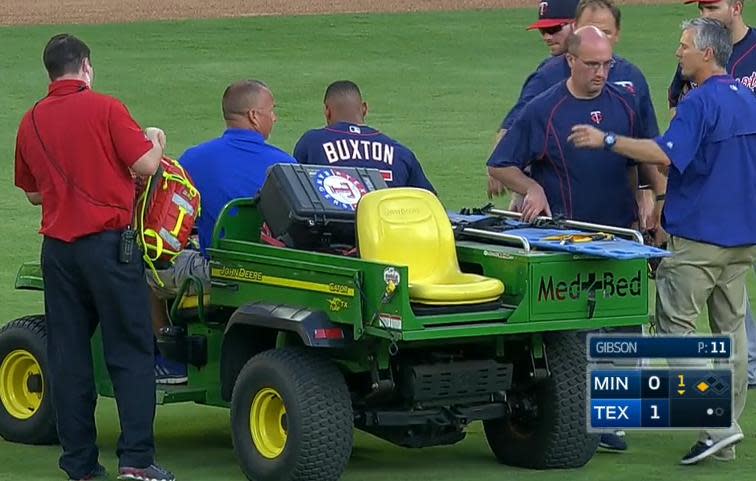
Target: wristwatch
(609, 140)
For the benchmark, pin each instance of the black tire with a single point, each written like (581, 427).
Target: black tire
(553, 435)
(22, 342)
(318, 419)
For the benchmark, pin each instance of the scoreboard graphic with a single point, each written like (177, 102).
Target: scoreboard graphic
(693, 391)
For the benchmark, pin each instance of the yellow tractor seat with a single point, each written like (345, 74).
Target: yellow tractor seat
(409, 226)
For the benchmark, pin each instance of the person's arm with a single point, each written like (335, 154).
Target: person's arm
(300, 150)
(24, 179)
(534, 202)
(137, 150)
(513, 154)
(417, 177)
(148, 163)
(677, 147)
(35, 198)
(676, 90)
(641, 150)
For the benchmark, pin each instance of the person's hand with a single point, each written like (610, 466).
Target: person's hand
(534, 204)
(495, 188)
(660, 236)
(156, 135)
(646, 201)
(515, 203)
(586, 137)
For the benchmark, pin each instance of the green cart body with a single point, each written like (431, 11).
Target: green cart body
(304, 346)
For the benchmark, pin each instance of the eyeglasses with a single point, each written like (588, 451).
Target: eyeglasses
(551, 30)
(595, 66)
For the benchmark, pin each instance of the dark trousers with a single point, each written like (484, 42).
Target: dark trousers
(85, 285)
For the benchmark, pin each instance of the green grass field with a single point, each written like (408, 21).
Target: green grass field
(439, 82)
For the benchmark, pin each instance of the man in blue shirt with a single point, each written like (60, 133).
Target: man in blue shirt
(742, 66)
(348, 142)
(710, 210)
(232, 166)
(579, 184)
(606, 16)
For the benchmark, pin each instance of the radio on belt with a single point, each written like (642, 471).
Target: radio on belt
(313, 206)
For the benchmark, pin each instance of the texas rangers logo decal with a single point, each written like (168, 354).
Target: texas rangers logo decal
(597, 117)
(339, 188)
(542, 7)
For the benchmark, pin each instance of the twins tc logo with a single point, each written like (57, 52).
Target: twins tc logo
(597, 117)
(542, 7)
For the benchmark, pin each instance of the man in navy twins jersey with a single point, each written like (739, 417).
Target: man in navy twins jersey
(346, 141)
(606, 16)
(742, 63)
(555, 22)
(590, 186)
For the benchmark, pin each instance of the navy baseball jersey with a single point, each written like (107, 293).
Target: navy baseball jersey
(581, 184)
(521, 100)
(742, 66)
(623, 74)
(352, 145)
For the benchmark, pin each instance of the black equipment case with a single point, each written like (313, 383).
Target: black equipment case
(313, 206)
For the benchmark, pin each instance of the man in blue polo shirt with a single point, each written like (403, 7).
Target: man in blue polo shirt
(710, 210)
(579, 184)
(348, 142)
(605, 15)
(742, 66)
(230, 167)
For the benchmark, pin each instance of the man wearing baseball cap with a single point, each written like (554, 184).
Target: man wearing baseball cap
(555, 18)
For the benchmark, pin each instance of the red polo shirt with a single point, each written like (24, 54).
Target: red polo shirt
(82, 171)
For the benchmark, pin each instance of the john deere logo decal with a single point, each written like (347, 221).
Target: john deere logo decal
(340, 188)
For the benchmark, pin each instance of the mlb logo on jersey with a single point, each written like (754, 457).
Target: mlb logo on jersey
(354, 129)
(597, 117)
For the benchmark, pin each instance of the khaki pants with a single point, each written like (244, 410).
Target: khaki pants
(699, 275)
(189, 263)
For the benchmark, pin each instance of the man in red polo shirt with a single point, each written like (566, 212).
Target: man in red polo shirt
(77, 153)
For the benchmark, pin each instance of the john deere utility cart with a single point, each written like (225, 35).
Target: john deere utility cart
(327, 315)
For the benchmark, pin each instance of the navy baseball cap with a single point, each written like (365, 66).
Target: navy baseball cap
(553, 13)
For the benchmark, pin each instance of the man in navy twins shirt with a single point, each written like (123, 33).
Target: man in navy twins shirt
(584, 185)
(346, 141)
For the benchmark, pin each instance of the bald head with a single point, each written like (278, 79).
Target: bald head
(589, 54)
(589, 37)
(249, 105)
(343, 103)
(242, 96)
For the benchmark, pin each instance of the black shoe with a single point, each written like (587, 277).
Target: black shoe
(152, 472)
(98, 472)
(613, 441)
(703, 449)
